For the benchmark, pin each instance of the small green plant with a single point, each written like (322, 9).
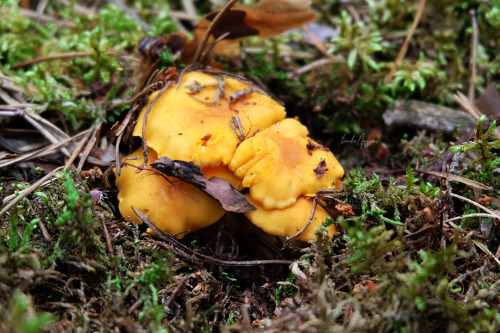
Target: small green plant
(285, 291)
(230, 318)
(483, 146)
(370, 246)
(76, 220)
(160, 272)
(428, 189)
(21, 317)
(414, 74)
(166, 58)
(14, 243)
(360, 41)
(227, 277)
(374, 200)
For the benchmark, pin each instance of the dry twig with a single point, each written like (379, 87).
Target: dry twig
(290, 239)
(406, 43)
(473, 60)
(185, 252)
(68, 55)
(28, 191)
(211, 27)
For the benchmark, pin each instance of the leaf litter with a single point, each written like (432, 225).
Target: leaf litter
(398, 263)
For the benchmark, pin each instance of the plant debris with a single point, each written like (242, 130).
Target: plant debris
(218, 188)
(410, 243)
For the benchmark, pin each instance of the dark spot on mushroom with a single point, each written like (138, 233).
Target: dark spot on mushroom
(320, 169)
(311, 146)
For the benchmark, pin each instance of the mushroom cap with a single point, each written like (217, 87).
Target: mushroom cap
(222, 171)
(177, 210)
(185, 125)
(289, 221)
(278, 167)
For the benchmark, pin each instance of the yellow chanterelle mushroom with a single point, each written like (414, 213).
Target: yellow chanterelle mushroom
(174, 207)
(232, 130)
(290, 220)
(191, 123)
(281, 163)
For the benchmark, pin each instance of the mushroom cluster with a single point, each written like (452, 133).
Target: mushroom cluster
(232, 130)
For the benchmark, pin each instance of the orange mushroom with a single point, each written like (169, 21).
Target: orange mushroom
(290, 220)
(231, 130)
(192, 123)
(281, 163)
(174, 206)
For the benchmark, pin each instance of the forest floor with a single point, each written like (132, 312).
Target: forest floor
(404, 93)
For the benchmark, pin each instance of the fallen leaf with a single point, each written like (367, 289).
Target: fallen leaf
(218, 188)
(311, 146)
(489, 101)
(344, 209)
(263, 19)
(320, 169)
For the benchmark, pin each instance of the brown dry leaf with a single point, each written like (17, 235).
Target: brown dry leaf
(263, 19)
(266, 18)
(368, 284)
(344, 209)
(218, 188)
(489, 101)
(320, 169)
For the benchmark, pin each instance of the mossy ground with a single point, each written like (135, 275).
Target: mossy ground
(68, 262)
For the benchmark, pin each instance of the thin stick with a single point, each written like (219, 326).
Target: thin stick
(145, 119)
(106, 235)
(309, 67)
(475, 204)
(211, 27)
(467, 105)
(121, 131)
(301, 231)
(130, 12)
(480, 245)
(44, 230)
(90, 144)
(406, 43)
(28, 191)
(40, 8)
(320, 46)
(471, 109)
(46, 18)
(176, 290)
(78, 149)
(187, 253)
(39, 124)
(472, 215)
(68, 55)
(58, 133)
(474, 43)
(33, 187)
(133, 99)
(462, 180)
(42, 152)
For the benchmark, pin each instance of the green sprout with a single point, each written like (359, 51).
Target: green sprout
(285, 291)
(483, 146)
(358, 40)
(414, 74)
